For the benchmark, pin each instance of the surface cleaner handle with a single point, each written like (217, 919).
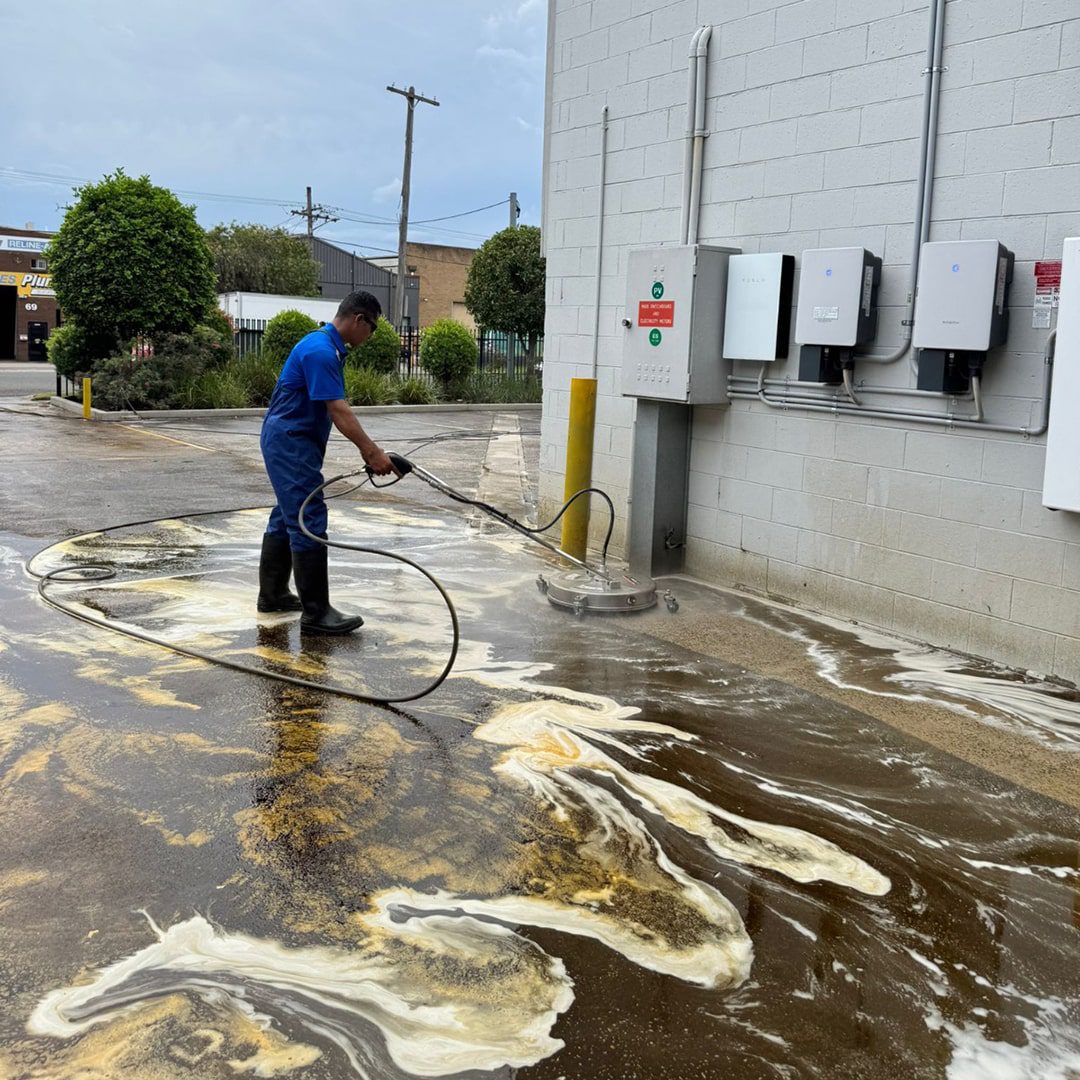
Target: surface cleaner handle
(402, 464)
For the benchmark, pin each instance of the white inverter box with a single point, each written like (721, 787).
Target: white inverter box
(1061, 479)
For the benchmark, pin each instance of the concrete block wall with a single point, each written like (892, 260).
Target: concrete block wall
(814, 109)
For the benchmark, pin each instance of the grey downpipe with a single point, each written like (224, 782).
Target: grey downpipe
(925, 187)
(599, 239)
(698, 155)
(691, 114)
(838, 405)
(691, 96)
(549, 93)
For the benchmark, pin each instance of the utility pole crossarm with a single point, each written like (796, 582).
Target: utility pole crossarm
(412, 99)
(313, 214)
(413, 96)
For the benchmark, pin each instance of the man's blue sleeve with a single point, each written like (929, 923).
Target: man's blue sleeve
(322, 374)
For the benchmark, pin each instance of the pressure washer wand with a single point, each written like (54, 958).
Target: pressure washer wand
(403, 466)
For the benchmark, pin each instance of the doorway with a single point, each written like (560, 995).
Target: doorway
(39, 337)
(8, 300)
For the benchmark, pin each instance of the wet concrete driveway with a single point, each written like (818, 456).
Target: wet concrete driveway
(731, 842)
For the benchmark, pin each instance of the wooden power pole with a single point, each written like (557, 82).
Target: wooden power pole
(412, 98)
(312, 214)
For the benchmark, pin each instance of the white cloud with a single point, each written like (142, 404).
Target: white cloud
(387, 191)
(515, 56)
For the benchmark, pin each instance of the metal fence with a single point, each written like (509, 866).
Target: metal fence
(497, 352)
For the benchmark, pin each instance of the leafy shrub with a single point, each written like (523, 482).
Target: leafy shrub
(221, 325)
(364, 387)
(489, 386)
(380, 352)
(416, 390)
(73, 350)
(258, 375)
(219, 388)
(448, 351)
(159, 381)
(282, 333)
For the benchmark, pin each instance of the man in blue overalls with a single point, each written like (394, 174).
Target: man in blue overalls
(308, 398)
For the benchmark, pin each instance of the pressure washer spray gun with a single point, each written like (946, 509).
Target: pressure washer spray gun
(586, 589)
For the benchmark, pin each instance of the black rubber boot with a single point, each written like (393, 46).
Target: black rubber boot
(275, 568)
(310, 571)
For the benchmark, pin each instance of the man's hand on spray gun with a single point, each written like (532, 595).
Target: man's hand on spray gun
(378, 462)
(394, 463)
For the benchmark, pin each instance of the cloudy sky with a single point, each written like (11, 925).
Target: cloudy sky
(259, 98)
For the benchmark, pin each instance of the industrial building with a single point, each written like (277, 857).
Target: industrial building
(28, 310)
(342, 272)
(813, 255)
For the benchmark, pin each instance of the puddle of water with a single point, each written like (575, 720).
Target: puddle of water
(592, 855)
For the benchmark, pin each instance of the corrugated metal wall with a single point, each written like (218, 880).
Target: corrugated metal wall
(341, 272)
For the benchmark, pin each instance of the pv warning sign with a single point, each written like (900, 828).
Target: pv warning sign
(656, 313)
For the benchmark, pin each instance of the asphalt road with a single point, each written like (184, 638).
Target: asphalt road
(653, 847)
(25, 380)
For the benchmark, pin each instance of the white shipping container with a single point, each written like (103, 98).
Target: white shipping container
(247, 306)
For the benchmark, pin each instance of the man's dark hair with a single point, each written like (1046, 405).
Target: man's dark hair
(360, 303)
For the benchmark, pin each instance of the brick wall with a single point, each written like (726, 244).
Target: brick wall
(443, 272)
(814, 112)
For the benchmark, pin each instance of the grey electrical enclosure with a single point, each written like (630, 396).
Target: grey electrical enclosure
(675, 324)
(837, 297)
(837, 310)
(961, 310)
(963, 287)
(757, 321)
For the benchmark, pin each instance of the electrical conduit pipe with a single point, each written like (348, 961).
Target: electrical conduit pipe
(581, 428)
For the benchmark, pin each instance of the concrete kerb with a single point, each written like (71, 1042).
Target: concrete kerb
(360, 410)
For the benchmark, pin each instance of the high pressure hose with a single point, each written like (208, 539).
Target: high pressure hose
(96, 572)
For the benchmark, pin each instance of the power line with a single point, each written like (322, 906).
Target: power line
(55, 178)
(464, 213)
(358, 217)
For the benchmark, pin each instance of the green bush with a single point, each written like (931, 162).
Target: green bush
(448, 352)
(380, 352)
(159, 381)
(73, 350)
(221, 325)
(490, 386)
(220, 388)
(416, 390)
(258, 376)
(282, 333)
(364, 387)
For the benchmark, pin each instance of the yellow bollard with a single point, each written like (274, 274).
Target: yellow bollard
(86, 399)
(579, 455)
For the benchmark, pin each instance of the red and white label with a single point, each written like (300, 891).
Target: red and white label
(656, 313)
(1048, 274)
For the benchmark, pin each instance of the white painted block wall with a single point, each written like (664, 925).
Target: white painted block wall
(814, 110)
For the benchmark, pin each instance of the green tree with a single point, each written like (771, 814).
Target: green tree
(505, 287)
(253, 258)
(282, 333)
(130, 259)
(380, 352)
(448, 352)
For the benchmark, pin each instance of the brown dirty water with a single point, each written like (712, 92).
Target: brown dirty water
(732, 842)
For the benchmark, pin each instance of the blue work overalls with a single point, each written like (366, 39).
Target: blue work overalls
(295, 431)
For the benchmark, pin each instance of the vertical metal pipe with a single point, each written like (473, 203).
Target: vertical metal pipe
(701, 77)
(924, 186)
(691, 116)
(86, 398)
(579, 455)
(599, 238)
